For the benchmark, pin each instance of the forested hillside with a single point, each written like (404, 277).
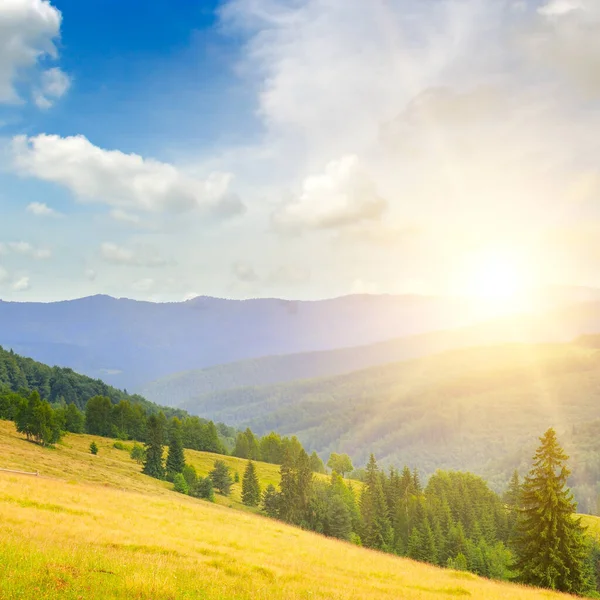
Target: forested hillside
(558, 325)
(474, 409)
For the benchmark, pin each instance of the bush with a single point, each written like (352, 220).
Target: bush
(190, 476)
(119, 446)
(93, 448)
(137, 453)
(203, 489)
(180, 484)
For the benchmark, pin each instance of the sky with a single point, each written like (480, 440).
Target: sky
(297, 148)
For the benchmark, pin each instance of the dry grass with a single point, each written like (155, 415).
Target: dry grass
(100, 530)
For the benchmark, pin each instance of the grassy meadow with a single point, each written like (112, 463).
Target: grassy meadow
(93, 527)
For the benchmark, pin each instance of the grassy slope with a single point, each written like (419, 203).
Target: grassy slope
(460, 409)
(100, 530)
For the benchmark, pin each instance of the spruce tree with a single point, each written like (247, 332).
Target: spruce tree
(339, 521)
(549, 542)
(153, 461)
(377, 529)
(221, 478)
(175, 458)
(250, 486)
(271, 501)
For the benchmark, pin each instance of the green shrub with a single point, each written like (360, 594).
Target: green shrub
(180, 484)
(93, 448)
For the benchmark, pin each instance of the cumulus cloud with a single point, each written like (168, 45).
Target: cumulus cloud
(54, 84)
(27, 249)
(41, 209)
(344, 194)
(21, 285)
(122, 181)
(29, 30)
(140, 256)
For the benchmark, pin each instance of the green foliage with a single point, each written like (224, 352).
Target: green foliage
(180, 484)
(118, 445)
(38, 421)
(94, 448)
(376, 528)
(296, 486)
(74, 419)
(247, 446)
(549, 544)
(175, 457)
(138, 453)
(340, 463)
(251, 493)
(203, 489)
(221, 478)
(236, 477)
(190, 476)
(316, 464)
(271, 501)
(153, 460)
(339, 520)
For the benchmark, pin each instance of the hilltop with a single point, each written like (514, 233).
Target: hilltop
(99, 529)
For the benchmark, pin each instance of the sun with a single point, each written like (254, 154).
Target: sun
(497, 279)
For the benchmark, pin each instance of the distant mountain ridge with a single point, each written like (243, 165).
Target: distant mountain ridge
(129, 343)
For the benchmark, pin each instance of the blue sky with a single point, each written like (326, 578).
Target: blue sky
(303, 149)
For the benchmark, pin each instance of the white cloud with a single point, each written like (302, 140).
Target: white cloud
(4, 275)
(26, 249)
(41, 209)
(138, 257)
(21, 285)
(54, 84)
(28, 32)
(123, 216)
(123, 181)
(344, 194)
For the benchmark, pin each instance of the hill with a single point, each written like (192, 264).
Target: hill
(558, 325)
(477, 409)
(98, 530)
(129, 343)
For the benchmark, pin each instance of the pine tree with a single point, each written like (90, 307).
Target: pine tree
(180, 484)
(250, 486)
(271, 501)
(176, 457)
(153, 461)
(377, 529)
(94, 448)
(339, 521)
(221, 478)
(549, 544)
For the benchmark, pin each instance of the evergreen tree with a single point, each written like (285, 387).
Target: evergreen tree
(221, 478)
(203, 489)
(175, 457)
(271, 501)
(316, 464)
(180, 484)
(190, 476)
(339, 521)
(94, 448)
(549, 543)
(295, 485)
(377, 529)
(250, 486)
(153, 461)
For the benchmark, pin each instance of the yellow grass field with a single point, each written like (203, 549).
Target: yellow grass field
(94, 528)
